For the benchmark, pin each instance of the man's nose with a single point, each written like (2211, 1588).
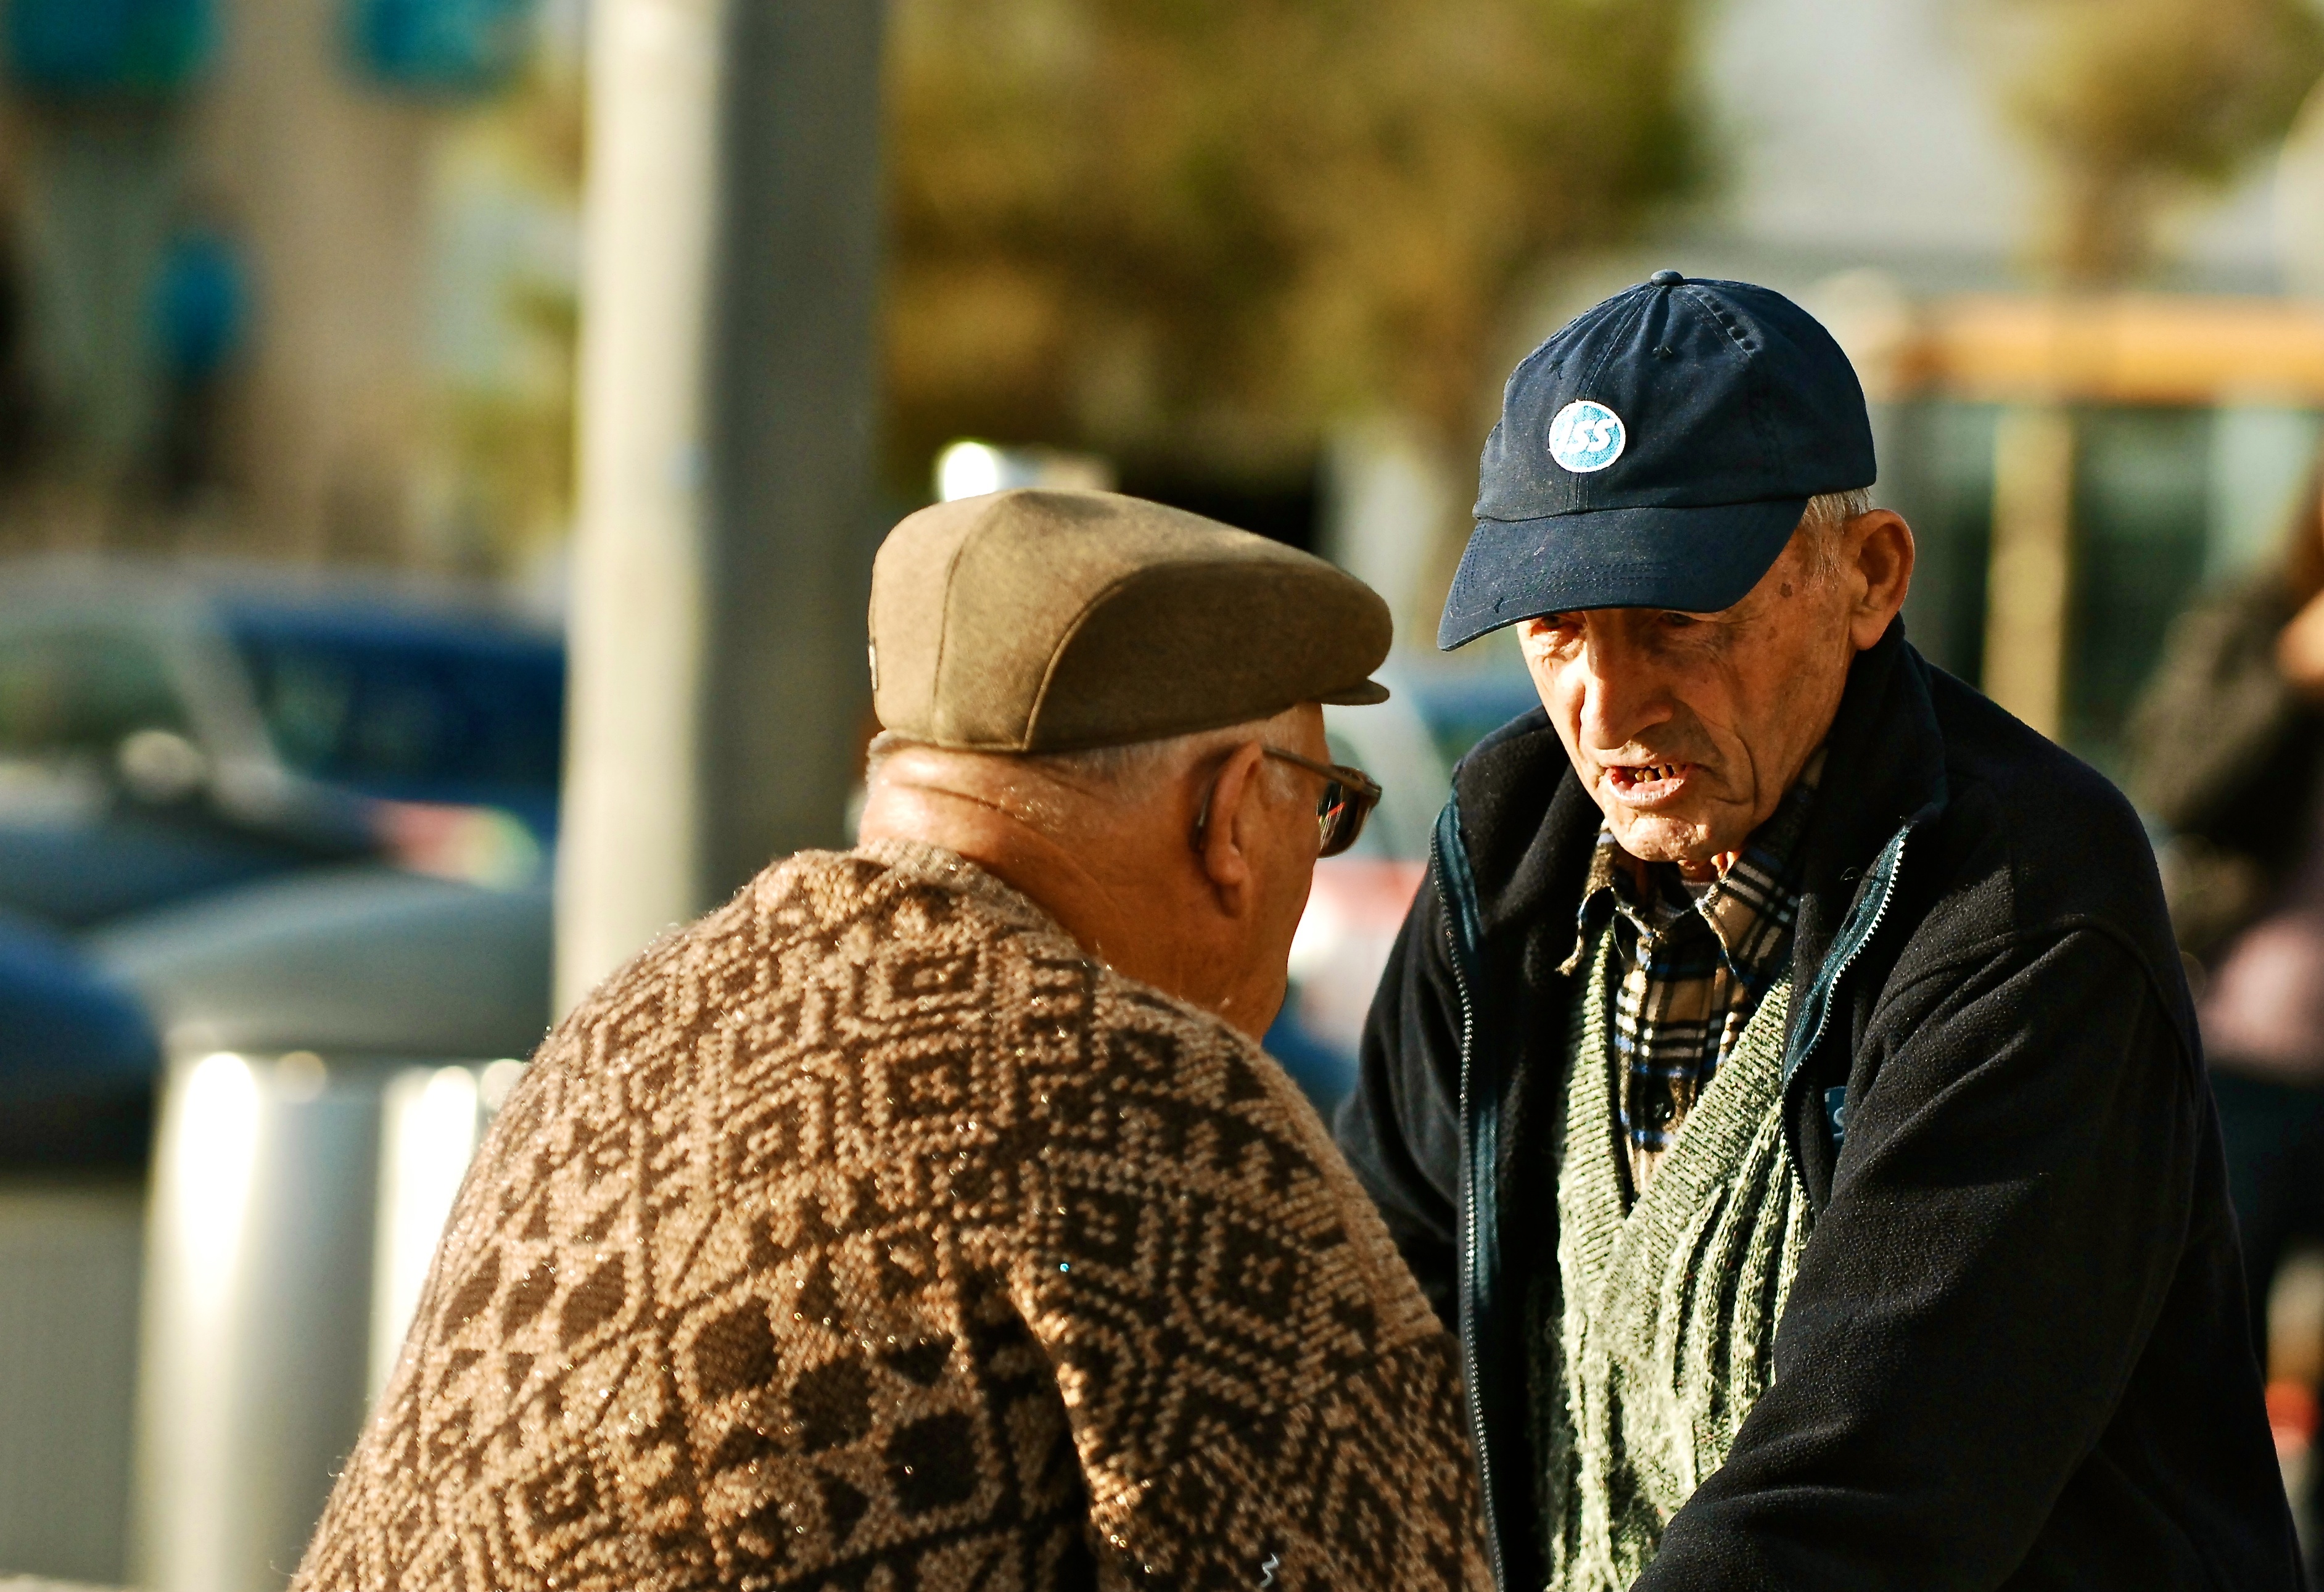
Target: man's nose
(1624, 693)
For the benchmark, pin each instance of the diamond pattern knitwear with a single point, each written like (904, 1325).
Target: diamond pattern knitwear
(869, 1235)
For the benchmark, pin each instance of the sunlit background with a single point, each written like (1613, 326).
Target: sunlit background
(307, 382)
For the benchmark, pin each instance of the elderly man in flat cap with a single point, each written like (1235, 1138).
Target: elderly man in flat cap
(926, 1218)
(1786, 1079)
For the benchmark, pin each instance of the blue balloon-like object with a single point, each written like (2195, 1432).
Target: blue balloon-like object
(81, 48)
(445, 46)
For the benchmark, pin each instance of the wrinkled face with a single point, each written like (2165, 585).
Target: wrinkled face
(1688, 728)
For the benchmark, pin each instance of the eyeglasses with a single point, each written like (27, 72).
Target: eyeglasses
(1348, 796)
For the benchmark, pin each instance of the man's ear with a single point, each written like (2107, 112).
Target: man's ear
(1880, 545)
(1223, 849)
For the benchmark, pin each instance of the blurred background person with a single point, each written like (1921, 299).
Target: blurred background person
(199, 306)
(2230, 759)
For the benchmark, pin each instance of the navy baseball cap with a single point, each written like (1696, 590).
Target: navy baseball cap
(1658, 453)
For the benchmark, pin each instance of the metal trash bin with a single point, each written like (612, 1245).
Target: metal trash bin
(336, 1044)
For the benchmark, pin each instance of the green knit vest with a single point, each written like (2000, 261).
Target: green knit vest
(1666, 1334)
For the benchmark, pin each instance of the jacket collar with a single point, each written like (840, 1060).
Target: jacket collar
(1886, 770)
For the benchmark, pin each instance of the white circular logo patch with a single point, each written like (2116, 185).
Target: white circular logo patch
(1586, 437)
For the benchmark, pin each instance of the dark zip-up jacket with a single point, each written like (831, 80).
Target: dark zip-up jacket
(2015, 1352)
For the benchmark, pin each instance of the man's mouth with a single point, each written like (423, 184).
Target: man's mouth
(1648, 784)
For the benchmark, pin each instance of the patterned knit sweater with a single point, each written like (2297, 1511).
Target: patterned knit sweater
(1666, 1338)
(869, 1234)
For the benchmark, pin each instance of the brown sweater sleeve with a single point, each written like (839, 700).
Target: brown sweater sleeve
(1256, 1385)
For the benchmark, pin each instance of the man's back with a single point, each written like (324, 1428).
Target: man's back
(870, 1222)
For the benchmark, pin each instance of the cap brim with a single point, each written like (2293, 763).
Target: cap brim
(1698, 560)
(1368, 694)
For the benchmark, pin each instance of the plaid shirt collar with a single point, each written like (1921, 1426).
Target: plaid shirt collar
(1688, 970)
(1749, 909)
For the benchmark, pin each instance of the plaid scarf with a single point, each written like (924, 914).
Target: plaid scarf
(1688, 967)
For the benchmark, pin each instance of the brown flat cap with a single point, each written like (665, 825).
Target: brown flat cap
(1034, 622)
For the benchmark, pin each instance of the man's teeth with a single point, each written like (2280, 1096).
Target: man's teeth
(1653, 772)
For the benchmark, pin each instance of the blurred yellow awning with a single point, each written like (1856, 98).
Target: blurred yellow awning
(2127, 348)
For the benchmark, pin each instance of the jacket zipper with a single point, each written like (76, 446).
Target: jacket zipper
(1854, 940)
(1472, 1361)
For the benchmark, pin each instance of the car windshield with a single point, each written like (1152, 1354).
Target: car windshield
(433, 710)
(72, 689)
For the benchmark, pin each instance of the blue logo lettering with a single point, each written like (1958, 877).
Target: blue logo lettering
(1586, 437)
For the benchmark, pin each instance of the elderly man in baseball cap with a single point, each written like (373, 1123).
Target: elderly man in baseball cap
(1785, 1080)
(927, 1217)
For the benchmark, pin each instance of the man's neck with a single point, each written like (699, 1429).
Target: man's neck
(1001, 843)
(1093, 890)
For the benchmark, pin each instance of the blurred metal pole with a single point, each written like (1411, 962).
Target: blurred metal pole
(791, 428)
(2029, 583)
(281, 1273)
(631, 824)
(726, 385)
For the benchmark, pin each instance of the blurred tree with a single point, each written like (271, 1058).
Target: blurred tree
(2133, 102)
(508, 194)
(1197, 231)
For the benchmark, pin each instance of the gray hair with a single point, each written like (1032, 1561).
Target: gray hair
(1110, 768)
(1827, 512)
(1114, 767)
(1831, 510)
(1127, 770)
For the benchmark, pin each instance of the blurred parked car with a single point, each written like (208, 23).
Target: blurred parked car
(336, 1041)
(1463, 707)
(1357, 904)
(222, 796)
(77, 1058)
(164, 734)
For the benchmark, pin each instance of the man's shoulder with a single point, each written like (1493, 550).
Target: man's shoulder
(1509, 776)
(2069, 841)
(892, 933)
(755, 1186)
(2035, 844)
(841, 1012)
(896, 1005)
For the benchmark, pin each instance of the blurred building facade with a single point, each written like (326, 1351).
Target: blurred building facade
(2112, 448)
(288, 278)
(285, 280)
